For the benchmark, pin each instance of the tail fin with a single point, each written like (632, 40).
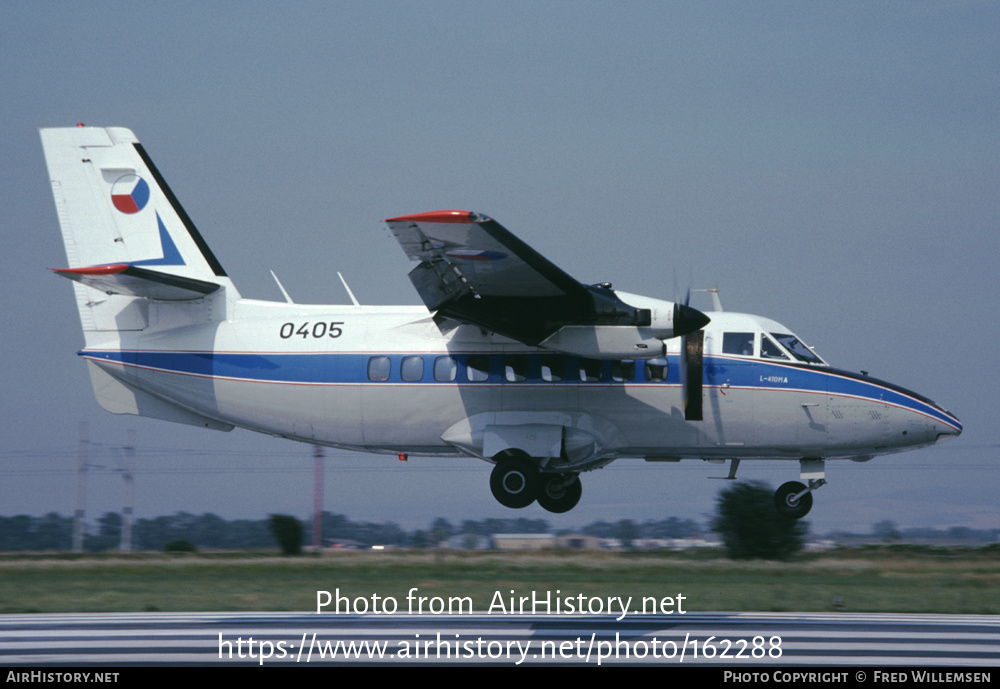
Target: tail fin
(127, 238)
(134, 255)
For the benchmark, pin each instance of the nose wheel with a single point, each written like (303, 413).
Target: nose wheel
(794, 500)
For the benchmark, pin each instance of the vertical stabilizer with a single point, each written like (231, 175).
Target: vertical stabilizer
(128, 240)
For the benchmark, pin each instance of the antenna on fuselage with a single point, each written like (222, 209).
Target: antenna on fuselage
(282, 288)
(349, 292)
(716, 301)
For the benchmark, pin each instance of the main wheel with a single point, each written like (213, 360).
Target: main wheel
(787, 505)
(514, 481)
(559, 499)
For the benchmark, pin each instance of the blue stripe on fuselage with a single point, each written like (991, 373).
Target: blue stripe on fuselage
(770, 375)
(352, 369)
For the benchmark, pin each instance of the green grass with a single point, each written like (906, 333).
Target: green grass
(892, 579)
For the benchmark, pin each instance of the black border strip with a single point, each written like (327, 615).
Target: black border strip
(541, 265)
(199, 286)
(213, 262)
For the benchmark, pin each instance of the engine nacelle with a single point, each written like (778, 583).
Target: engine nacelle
(606, 342)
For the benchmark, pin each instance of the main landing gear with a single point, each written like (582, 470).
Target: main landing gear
(516, 482)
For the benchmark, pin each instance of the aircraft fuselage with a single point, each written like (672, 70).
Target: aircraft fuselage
(387, 379)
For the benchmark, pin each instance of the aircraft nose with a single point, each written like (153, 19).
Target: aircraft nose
(948, 425)
(951, 430)
(939, 423)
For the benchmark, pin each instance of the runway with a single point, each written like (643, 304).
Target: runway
(744, 640)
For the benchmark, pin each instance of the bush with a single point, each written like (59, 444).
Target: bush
(289, 532)
(180, 546)
(751, 527)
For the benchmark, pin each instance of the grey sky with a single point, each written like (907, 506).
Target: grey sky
(833, 166)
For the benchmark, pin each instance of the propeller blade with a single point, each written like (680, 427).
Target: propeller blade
(692, 346)
(688, 323)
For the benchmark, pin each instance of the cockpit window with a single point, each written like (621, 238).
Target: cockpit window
(737, 343)
(769, 350)
(797, 348)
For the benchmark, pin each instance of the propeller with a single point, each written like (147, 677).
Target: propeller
(688, 320)
(689, 323)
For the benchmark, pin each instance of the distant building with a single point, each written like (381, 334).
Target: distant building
(467, 541)
(345, 544)
(578, 541)
(523, 541)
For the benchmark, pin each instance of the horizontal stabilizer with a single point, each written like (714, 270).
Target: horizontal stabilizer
(121, 278)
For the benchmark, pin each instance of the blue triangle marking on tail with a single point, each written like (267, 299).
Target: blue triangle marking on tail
(171, 256)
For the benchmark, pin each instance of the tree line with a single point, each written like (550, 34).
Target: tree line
(745, 520)
(54, 532)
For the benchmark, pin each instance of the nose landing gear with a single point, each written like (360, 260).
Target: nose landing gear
(794, 500)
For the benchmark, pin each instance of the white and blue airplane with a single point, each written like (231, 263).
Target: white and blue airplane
(510, 360)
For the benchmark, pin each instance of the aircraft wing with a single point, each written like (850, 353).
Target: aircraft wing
(474, 271)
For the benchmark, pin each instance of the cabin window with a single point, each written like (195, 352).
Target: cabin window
(769, 350)
(623, 371)
(656, 370)
(412, 368)
(553, 369)
(591, 370)
(445, 369)
(378, 368)
(478, 368)
(738, 343)
(516, 369)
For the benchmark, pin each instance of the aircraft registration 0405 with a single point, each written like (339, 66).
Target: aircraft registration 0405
(501, 603)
